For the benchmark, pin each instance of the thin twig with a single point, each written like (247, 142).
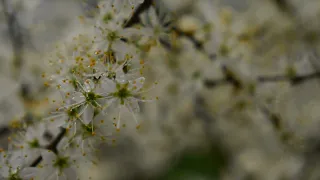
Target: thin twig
(135, 17)
(52, 146)
(266, 79)
(294, 80)
(15, 35)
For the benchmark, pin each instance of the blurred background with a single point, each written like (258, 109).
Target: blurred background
(181, 138)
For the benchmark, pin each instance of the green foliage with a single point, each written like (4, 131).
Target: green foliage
(197, 165)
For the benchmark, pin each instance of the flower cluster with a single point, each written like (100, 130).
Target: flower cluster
(92, 78)
(236, 78)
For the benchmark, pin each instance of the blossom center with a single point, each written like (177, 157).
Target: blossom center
(72, 112)
(61, 162)
(91, 96)
(122, 94)
(111, 75)
(88, 130)
(34, 143)
(112, 36)
(107, 17)
(14, 177)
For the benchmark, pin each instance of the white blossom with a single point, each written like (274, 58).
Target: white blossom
(31, 142)
(13, 166)
(59, 166)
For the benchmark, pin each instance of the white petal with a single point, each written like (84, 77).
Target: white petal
(61, 177)
(121, 76)
(40, 129)
(137, 84)
(70, 173)
(11, 87)
(48, 174)
(63, 144)
(88, 114)
(16, 160)
(88, 85)
(58, 121)
(104, 43)
(133, 105)
(64, 86)
(121, 49)
(78, 97)
(28, 173)
(107, 104)
(48, 157)
(108, 85)
(129, 32)
(153, 16)
(30, 134)
(4, 172)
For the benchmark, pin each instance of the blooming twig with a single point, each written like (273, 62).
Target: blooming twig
(52, 146)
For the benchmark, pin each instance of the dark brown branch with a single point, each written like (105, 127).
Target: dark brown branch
(265, 79)
(294, 80)
(52, 146)
(4, 131)
(55, 142)
(36, 162)
(213, 83)
(286, 7)
(274, 118)
(135, 17)
(198, 45)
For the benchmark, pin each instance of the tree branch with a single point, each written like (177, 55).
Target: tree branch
(15, 35)
(135, 17)
(52, 146)
(265, 79)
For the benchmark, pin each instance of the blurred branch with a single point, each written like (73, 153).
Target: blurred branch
(89, 7)
(273, 117)
(200, 111)
(15, 36)
(265, 79)
(4, 131)
(284, 6)
(198, 45)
